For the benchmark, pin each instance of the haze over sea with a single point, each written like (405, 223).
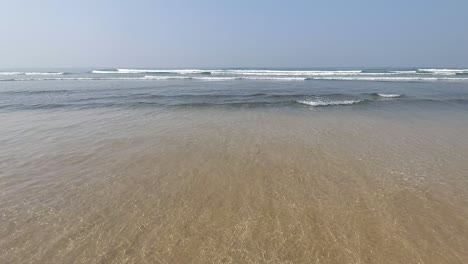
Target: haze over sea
(234, 165)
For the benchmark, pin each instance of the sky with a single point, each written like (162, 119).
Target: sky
(237, 33)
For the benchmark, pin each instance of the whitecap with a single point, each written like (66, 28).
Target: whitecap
(443, 71)
(44, 73)
(216, 78)
(183, 71)
(389, 95)
(266, 78)
(320, 102)
(103, 71)
(72, 79)
(404, 72)
(11, 73)
(284, 72)
(31, 73)
(151, 77)
(383, 78)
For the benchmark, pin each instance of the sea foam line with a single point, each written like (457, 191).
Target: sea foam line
(31, 73)
(233, 72)
(152, 77)
(364, 78)
(11, 73)
(182, 71)
(253, 78)
(266, 78)
(325, 73)
(389, 95)
(320, 102)
(283, 72)
(71, 79)
(141, 71)
(443, 71)
(161, 78)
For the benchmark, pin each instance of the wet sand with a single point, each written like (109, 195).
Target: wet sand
(234, 186)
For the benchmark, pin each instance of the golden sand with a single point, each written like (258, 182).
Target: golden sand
(233, 186)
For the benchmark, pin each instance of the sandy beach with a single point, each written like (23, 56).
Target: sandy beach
(222, 185)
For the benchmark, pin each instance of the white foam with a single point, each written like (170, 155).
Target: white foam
(391, 73)
(31, 73)
(11, 73)
(216, 78)
(283, 73)
(43, 73)
(141, 71)
(291, 73)
(404, 72)
(266, 78)
(260, 78)
(203, 78)
(383, 78)
(72, 79)
(320, 102)
(389, 95)
(183, 71)
(255, 72)
(103, 72)
(151, 77)
(444, 71)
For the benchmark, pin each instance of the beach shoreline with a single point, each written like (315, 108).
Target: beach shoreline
(335, 185)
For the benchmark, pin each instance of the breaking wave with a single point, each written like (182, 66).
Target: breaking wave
(389, 95)
(32, 73)
(151, 77)
(443, 71)
(321, 102)
(266, 78)
(143, 71)
(285, 72)
(71, 79)
(366, 78)
(229, 78)
(11, 73)
(155, 77)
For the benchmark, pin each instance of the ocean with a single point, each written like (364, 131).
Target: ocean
(320, 165)
(126, 88)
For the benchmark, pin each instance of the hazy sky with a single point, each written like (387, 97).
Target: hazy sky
(214, 33)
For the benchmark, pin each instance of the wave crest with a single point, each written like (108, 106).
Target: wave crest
(283, 72)
(389, 95)
(365, 78)
(320, 102)
(442, 71)
(147, 71)
(32, 73)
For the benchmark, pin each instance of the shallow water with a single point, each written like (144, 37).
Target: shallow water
(382, 181)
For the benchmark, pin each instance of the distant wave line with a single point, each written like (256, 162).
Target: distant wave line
(256, 72)
(443, 71)
(32, 73)
(141, 71)
(363, 78)
(260, 78)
